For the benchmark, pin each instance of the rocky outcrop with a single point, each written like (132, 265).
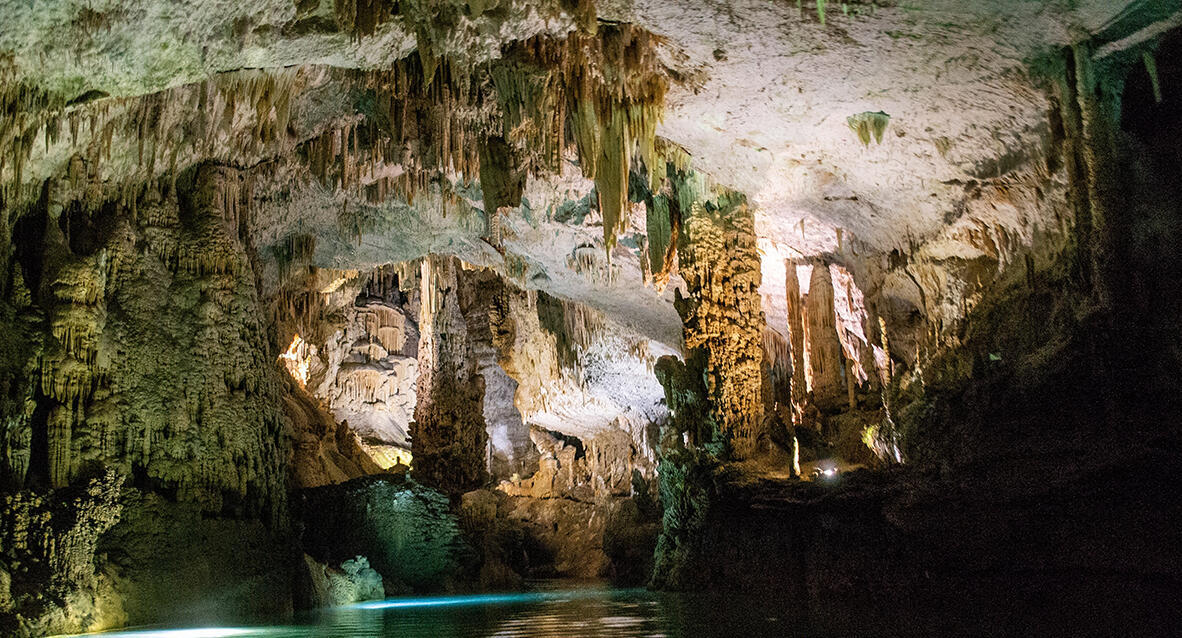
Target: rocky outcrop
(170, 562)
(323, 450)
(354, 582)
(50, 578)
(896, 553)
(366, 369)
(588, 511)
(594, 469)
(154, 363)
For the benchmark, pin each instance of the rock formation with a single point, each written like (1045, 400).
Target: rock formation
(826, 361)
(720, 264)
(448, 434)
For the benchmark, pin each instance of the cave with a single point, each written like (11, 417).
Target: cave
(583, 318)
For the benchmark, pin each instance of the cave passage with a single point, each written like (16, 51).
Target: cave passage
(567, 317)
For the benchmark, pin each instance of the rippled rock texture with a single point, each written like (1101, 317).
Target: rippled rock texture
(353, 581)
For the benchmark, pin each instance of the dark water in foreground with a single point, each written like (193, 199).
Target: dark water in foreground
(585, 611)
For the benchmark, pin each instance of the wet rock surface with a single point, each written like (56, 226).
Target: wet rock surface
(353, 581)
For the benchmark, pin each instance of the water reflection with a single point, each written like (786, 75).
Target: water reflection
(584, 611)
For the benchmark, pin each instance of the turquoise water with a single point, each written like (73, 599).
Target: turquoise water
(584, 611)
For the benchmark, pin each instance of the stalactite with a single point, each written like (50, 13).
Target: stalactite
(412, 125)
(662, 229)
(1154, 80)
(887, 368)
(592, 264)
(573, 326)
(158, 131)
(501, 179)
(868, 124)
(613, 86)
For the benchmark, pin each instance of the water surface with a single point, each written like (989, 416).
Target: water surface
(586, 611)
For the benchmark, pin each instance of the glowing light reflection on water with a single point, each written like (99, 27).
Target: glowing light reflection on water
(584, 612)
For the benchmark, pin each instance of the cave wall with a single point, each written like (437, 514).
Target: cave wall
(156, 359)
(362, 355)
(1027, 427)
(1077, 337)
(156, 370)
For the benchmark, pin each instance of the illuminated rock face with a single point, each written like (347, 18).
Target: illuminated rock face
(366, 370)
(58, 533)
(355, 581)
(405, 529)
(825, 356)
(155, 362)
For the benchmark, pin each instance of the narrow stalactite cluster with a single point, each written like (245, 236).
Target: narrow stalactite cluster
(413, 130)
(601, 88)
(572, 324)
(868, 124)
(610, 85)
(245, 113)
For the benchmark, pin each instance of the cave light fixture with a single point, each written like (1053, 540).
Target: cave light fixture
(826, 470)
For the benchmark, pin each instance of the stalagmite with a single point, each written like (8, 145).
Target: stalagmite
(796, 332)
(825, 353)
(448, 435)
(721, 266)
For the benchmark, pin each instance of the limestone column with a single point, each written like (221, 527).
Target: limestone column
(448, 436)
(825, 353)
(796, 337)
(721, 265)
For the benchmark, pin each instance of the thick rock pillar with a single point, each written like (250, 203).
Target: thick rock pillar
(448, 438)
(721, 266)
(825, 353)
(797, 338)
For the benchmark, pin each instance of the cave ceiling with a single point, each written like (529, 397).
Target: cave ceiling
(765, 97)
